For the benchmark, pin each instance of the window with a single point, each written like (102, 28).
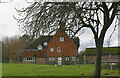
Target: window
(51, 58)
(25, 58)
(61, 39)
(73, 58)
(40, 47)
(45, 43)
(32, 58)
(67, 58)
(51, 49)
(29, 58)
(58, 49)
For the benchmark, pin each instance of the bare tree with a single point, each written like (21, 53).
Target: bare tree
(44, 18)
(12, 47)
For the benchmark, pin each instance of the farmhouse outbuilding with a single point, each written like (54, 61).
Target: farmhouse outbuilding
(110, 54)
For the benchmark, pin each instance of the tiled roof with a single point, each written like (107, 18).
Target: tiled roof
(38, 41)
(76, 41)
(42, 39)
(106, 51)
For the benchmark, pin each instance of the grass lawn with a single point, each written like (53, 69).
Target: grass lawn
(10, 69)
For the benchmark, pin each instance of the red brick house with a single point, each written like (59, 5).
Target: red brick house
(61, 49)
(110, 54)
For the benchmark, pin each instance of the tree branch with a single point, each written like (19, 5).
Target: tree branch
(113, 13)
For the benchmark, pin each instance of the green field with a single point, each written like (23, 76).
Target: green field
(10, 69)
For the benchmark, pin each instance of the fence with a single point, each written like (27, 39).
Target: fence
(110, 65)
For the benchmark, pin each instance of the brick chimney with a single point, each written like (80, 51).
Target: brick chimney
(62, 26)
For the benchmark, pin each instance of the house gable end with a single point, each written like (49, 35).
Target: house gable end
(68, 47)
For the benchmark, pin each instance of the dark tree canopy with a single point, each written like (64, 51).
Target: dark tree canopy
(45, 18)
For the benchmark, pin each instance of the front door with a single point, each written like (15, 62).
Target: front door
(59, 60)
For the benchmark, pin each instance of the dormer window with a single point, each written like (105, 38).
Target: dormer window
(61, 39)
(40, 47)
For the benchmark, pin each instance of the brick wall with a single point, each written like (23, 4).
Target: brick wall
(68, 47)
(32, 54)
(40, 60)
(39, 54)
(92, 59)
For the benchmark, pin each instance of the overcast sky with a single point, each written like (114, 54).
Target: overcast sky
(9, 26)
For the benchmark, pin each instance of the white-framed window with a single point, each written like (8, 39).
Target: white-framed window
(25, 58)
(59, 58)
(73, 58)
(61, 39)
(51, 59)
(40, 47)
(29, 58)
(51, 49)
(58, 49)
(45, 43)
(33, 58)
(67, 58)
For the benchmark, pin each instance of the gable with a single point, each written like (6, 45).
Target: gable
(67, 47)
(59, 34)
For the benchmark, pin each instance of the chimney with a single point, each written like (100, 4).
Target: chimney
(62, 26)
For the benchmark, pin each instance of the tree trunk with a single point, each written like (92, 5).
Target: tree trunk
(97, 71)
